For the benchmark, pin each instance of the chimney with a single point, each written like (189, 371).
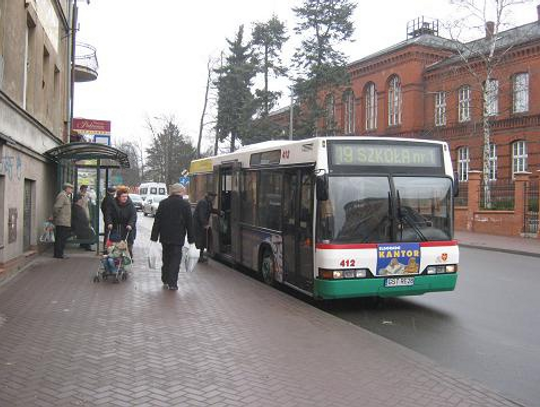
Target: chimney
(490, 28)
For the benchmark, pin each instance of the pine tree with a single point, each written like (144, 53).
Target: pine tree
(236, 103)
(169, 154)
(324, 24)
(268, 39)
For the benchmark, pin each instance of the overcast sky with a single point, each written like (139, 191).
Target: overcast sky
(153, 53)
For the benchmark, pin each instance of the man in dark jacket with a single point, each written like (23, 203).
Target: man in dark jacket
(201, 219)
(171, 223)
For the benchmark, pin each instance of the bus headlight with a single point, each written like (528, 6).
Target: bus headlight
(326, 274)
(448, 268)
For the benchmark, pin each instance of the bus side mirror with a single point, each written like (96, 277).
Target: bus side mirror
(456, 184)
(322, 187)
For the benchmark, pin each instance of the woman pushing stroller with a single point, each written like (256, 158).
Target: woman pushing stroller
(121, 218)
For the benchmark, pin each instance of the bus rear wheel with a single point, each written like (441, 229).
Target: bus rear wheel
(267, 267)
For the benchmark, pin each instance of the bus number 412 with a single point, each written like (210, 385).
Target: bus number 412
(347, 263)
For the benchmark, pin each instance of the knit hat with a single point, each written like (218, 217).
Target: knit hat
(111, 190)
(177, 189)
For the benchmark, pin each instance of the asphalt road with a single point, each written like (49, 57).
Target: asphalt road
(487, 329)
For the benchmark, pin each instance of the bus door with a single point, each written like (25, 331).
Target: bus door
(297, 223)
(225, 210)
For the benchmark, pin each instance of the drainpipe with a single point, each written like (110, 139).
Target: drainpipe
(74, 17)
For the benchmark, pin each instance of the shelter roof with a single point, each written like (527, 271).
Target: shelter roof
(90, 151)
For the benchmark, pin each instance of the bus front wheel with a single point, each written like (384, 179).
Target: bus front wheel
(267, 267)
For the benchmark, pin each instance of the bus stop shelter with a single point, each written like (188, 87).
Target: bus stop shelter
(98, 158)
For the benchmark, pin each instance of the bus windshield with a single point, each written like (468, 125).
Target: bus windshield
(382, 209)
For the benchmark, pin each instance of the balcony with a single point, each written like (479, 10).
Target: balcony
(86, 63)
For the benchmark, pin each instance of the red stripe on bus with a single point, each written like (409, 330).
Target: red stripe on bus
(375, 245)
(347, 246)
(440, 243)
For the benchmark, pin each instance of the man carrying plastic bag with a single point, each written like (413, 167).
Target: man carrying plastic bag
(171, 224)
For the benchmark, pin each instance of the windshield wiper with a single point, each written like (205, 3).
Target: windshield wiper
(405, 215)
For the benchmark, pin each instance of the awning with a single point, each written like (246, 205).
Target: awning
(112, 157)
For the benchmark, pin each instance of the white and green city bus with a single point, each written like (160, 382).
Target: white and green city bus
(337, 217)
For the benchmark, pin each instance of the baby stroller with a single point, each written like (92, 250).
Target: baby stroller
(116, 264)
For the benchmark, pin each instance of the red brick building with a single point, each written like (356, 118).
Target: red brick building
(422, 88)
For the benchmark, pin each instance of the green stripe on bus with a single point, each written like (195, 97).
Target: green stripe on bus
(333, 289)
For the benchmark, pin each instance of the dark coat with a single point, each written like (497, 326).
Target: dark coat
(106, 204)
(121, 216)
(172, 221)
(80, 225)
(201, 218)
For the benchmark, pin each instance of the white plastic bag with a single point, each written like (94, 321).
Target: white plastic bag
(48, 233)
(190, 256)
(154, 256)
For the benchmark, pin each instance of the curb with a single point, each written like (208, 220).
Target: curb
(495, 249)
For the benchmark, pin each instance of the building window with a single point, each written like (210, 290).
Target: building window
(371, 107)
(463, 163)
(348, 100)
(492, 97)
(440, 109)
(394, 101)
(330, 113)
(521, 92)
(464, 108)
(492, 162)
(519, 157)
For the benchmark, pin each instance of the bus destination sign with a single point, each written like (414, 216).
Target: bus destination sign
(391, 155)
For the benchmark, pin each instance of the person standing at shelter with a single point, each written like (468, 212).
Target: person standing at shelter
(107, 205)
(62, 220)
(80, 224)
(121, 217)
(85, 203)
(172, 222)
(201, 219)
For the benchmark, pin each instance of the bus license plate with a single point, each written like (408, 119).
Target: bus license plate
(399, 282)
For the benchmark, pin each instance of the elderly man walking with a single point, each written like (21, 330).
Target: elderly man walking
(171, 224)
(62, 220)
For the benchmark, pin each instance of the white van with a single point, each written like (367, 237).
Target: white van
(152, 188)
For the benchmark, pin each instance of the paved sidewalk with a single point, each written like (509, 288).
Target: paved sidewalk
(223, 339)
(504, 244)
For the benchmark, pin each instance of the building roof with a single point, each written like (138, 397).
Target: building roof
(504, 41)
(426, 40)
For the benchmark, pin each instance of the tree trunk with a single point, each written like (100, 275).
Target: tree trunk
(201, 124)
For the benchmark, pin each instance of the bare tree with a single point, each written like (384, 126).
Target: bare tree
(481, 59)
(210, 69)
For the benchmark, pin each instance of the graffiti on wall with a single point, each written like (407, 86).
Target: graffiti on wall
(11, 166)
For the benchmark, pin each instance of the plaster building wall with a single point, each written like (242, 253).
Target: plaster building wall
(34, 89)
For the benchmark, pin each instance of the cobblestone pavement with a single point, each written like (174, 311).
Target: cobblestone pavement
(223, 339)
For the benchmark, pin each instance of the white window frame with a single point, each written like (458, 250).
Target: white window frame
(371, 106)
(519, 157)
(440, 108)
(520, 85)
(464, 104)
(463, 162)
(492, 97)
(394, 101)
(492, 162)
(349, 112)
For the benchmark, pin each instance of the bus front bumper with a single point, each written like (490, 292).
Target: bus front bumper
(374, 287)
